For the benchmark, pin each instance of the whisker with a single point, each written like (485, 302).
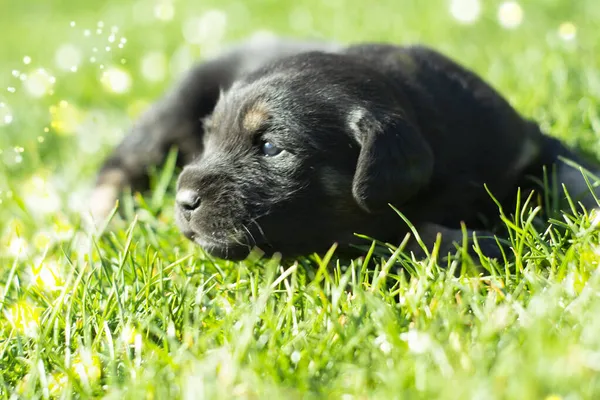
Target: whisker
(249, 234)
(261, 231)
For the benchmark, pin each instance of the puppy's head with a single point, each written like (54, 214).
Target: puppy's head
(299, 155)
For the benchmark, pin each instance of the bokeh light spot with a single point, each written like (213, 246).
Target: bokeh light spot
(39, 83)
(510, 14)
(67, 56)
(465, 11)
(39, 195)
(13, 156)
(6, 116)
(65, 118)
(181, 60)
(116, 80)
(154, 66)
(567, 31)
(210, 27)
(164, 11)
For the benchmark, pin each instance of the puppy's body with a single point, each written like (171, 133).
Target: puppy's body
(475, 136)
(308, 144)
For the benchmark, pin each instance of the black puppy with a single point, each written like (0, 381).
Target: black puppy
(291, 147)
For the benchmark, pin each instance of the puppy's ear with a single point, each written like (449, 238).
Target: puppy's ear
(394, 163)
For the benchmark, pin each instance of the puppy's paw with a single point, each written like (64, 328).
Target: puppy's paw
(103, 200)
(452, 240)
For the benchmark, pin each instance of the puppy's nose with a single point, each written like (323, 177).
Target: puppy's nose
(188, 199)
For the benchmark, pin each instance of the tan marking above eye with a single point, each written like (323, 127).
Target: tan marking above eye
(255, 117)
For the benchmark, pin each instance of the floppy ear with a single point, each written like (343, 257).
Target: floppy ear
(394, 163)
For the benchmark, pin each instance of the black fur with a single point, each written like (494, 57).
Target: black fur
(361, 127)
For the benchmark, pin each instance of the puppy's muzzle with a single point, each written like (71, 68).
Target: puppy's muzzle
(192, 187)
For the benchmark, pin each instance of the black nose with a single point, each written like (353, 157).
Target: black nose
(188, 199)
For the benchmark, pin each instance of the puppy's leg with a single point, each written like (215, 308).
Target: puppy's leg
(176, 119)
(554, 156)
(452, 239)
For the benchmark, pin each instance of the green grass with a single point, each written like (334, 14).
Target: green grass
(138, 312)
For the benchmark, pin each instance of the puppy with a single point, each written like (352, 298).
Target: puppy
(293, 146)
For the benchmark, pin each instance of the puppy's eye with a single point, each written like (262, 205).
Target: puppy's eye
(270, 150)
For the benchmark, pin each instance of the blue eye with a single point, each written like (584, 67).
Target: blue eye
(270, 150)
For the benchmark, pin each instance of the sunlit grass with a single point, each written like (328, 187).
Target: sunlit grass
(136, 311)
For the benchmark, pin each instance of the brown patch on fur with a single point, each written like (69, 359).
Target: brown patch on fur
(255, 117)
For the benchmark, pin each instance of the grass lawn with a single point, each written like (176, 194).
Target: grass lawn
(138, 312)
